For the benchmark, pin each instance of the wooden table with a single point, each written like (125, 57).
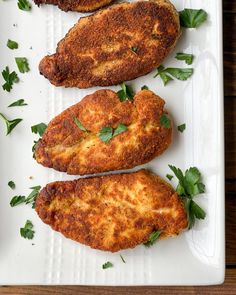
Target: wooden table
(229, 287)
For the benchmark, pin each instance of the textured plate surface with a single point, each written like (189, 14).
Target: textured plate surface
(194, 258)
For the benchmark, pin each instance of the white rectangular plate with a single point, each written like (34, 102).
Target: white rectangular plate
(196, 257)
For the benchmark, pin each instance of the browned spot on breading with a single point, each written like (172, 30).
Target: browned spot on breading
(65, 147)
(76, 5)
(97, 51)
(112, 212)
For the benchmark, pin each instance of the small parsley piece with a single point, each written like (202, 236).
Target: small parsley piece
(144, 87)
(32, 196)
(26, 231)
(12, 44)
(126, 93)
(134, 49)
(120, 129)
(80, 125)
(17, 200)
(166, 74)
(11, 184)
(169, 176)
(181, 128)
(10, 79)
(188, 58)
(107, 265)
(22, 64)
(10, 124)
(106, 134)
(34, 147)
(192, 18)
(152, 238)
(122, 258)
(188, 187)
(18, 103)
(39, 128)
(165, 121)
(24, 5)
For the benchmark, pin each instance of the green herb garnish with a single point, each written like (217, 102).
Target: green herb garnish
(192, 18)
(122, 258)
(182, 127)
(17, 200)
(22, 64)
(107, 133)
(188, 58)
(34, 146)
(189, 186)
(166, 74)
(126, 93)
(39, 128)
(24, 5)
(26, 231)
(107, 265)
(165, 121)
(152, 238)
(12, 44)
(11, 184)
(10, 79)
(10, 124)
(169, 176)
(144, 87)
(18, 103)
(134, 49)
(80, 125)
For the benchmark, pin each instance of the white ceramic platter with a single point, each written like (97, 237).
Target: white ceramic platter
(196, 257)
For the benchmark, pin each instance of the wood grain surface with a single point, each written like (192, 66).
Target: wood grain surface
(229, 287)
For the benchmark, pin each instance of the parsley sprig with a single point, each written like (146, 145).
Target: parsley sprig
(30, 199)
(152, 238)
(192, 18)
(107, 133)
(165, 121)
(187, 57)
(80, 125)
(188, 187)
(10, 78)
(106, 265)
(39, 128)
(27, 231)
(11, 184)
(24, 5)
(12, 44)
(10, 124)
(167, 74)
(22, 64)
(18, 103)
(126, 93)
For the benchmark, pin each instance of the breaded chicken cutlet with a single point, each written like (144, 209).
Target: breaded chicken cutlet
(73, 143)
(114, 212)
(119, 43)
(76, 5)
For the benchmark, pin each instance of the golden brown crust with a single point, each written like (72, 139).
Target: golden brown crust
(97, 51)
(76, 5)
(65, 147)
(112, 212)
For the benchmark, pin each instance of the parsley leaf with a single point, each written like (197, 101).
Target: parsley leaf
(107, 265)
(122, 258)
(134, 49)
(126, 93)
(18, 103)
(17, 200)
(12, 44)
(80, 125)
(165, 121)
(24, 5)
(39, 128)
(107, 133)
(11, 184)
(34, 147)
(22, 64)
(182, 127)
(26, 231)
(10, 124)
(152, 238)
(166, 74)
(189, 186)
(120, 129)
(188, 58)
(192, 18)
(144, 87)
(10, 78)
(169, 176)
